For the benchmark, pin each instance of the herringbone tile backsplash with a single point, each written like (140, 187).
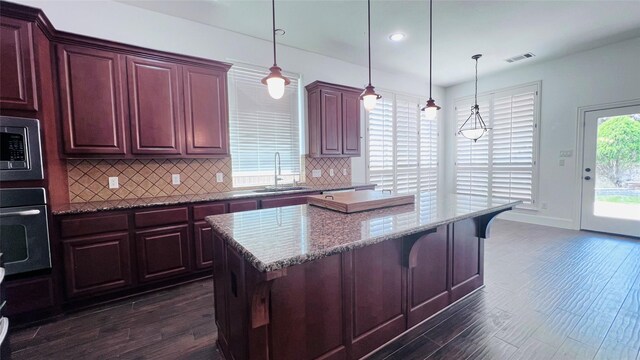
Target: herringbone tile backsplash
(88, 179)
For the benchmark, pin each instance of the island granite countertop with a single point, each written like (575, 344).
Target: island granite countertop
(273, 239)
(96, 206)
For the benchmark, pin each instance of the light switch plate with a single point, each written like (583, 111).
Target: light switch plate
(561, 162)
(316, 173)
(113, 182)
(344, 171)
(566, 153)
(330, 172)
(175, 179)
(219, 177)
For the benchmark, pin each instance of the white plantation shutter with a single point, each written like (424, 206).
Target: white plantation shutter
(428, 153)
(259, 126)
(402, 146)
(407, 146)
(502, 163)
(381, 144)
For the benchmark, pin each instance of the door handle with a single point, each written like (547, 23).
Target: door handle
(21, 213)
(587, 177)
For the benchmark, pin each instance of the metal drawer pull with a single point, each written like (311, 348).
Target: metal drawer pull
(21, 213)
(2, 306)
(1, 275)
(329, 197)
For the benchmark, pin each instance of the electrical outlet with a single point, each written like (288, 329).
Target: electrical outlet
(219, 177)
(344, 171)
(330, 172)
(316, 173)
(113, 182)
(175, 179)
(566, 153)
(561, 162)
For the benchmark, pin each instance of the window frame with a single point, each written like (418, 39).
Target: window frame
(302, 123)
(535, 167)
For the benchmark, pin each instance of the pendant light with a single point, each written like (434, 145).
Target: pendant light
(431, 108)
(369, 96)
(275, 81)
(479, 126)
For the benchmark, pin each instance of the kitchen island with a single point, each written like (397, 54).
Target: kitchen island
(302, 282)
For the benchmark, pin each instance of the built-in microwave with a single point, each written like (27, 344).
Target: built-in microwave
(20, 149)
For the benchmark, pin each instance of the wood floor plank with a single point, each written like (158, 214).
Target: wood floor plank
(495, 348)
(575, 350)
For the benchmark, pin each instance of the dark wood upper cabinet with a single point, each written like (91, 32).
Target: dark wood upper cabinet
(205, 111)
(18, 71)
(331, 124)
(350, 124)
(94, 117)
(334, 120)
(154, 107)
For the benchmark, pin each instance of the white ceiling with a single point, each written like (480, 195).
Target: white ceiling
(497, 29)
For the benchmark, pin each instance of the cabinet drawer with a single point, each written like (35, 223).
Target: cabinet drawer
(72, 227)
(96, 264)
(202, 211)
(237, 206)
(28, 295)
(284, 201)
(161, 217)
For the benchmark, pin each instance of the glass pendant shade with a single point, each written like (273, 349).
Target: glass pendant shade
(276, 82)
(369, 98)
(431, 109)
(473, 134)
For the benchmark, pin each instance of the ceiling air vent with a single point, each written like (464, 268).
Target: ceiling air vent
(519, 57)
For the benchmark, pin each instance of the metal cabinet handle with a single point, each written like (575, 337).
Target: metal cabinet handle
(21, 213)
(587, 169)
(329, 197)
(587, 177)
(387, 190)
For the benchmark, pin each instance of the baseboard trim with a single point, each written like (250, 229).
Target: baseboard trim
(538, 220)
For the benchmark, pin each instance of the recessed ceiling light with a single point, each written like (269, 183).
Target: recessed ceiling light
(398, 36)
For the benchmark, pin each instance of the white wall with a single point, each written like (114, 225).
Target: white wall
(131, 25)
(604, 75)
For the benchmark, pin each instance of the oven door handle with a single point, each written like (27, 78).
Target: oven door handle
(21, 213)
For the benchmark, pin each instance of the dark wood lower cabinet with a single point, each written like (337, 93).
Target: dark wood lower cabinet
(162, 252)
(203, 244)
(376, 281)
(96, 264)
(467, 259)
(346, 305)
(428, 275)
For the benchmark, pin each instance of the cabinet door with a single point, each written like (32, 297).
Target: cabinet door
(97, 263)
(18, 71)
(203, 244)
(162, 252)
(205, 111)
(154, 107)
(92, 101)
(428, 277)
(331, 122)
(468, 252)
(351, 124)
(377, 298)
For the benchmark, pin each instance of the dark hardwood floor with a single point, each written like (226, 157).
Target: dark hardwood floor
(550, 294)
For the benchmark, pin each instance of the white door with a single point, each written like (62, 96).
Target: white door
(611, 171)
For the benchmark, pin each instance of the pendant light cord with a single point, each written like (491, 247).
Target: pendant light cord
(273, 14)
(430, 43)
(476, 81)
(369, 35)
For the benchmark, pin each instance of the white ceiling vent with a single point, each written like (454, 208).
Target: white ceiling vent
(519, 57)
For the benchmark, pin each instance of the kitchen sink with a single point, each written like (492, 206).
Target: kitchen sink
(269, 189)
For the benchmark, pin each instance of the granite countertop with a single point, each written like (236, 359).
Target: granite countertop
(96, 206)
(273, 239)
